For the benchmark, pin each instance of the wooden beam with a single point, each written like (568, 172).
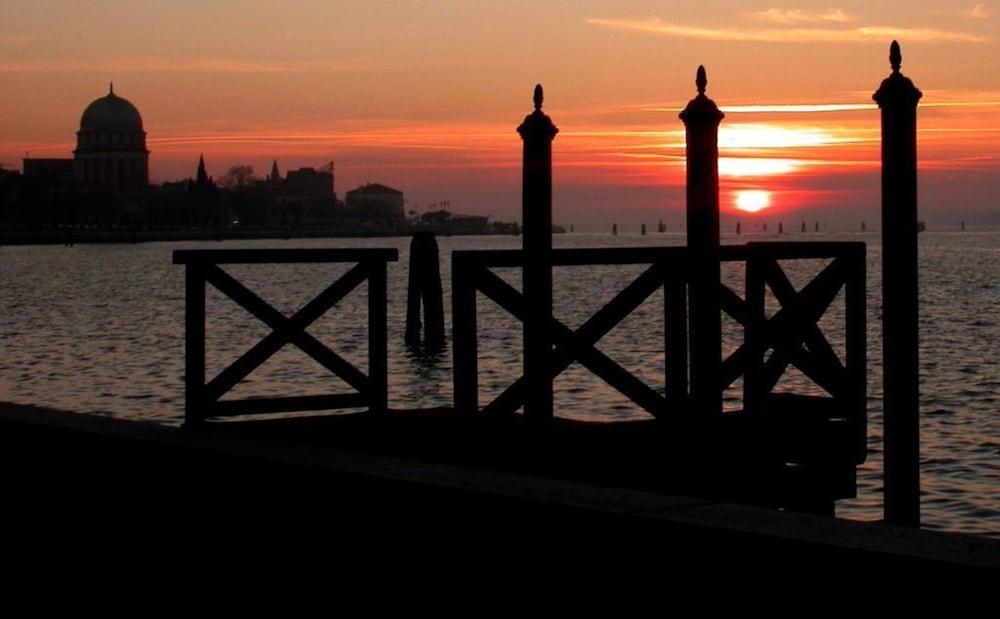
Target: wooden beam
(263, 406)
(285, 330)
(733, 305)
(378, 347)
(675, 351)
(194, 343)
(579, 345)
(259, 256)
(856, 399)
(464, 335)
(672, 257)
(732, 367)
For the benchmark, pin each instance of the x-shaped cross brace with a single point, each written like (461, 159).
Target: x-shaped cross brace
(285, 330)
(792, 332)
(579, 345)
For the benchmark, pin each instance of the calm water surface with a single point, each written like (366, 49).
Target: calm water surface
(100, 329)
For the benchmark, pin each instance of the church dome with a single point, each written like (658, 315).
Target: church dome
(112, 114)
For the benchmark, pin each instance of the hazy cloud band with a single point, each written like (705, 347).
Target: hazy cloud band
(859, 34)
(153, 64)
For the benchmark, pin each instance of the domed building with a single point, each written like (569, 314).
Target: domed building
(111, 149)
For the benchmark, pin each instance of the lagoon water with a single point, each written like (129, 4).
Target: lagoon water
(99, 328)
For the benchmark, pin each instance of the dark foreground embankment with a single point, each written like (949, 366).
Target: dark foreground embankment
(102, 514)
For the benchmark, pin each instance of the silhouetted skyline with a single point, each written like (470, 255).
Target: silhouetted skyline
(425, 111)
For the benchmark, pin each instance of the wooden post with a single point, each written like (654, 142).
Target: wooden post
(378, 353)
(412, 334)
(537, 132)
(755, 340)
(855, 303)
(463, 338)
(194, 343)
(701, 120)
(675, 339)
(897, 97)
(424, 288)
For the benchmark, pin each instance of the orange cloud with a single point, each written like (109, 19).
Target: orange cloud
(861, 34)
(156, 64)
(798, 16)
(977, 12)
(742, 167)
(798, 108)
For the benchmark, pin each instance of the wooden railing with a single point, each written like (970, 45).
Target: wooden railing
(795, 339)
(792, 332)
(202, 399)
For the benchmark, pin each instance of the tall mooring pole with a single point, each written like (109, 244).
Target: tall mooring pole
(537, 132)
(701, 120)
(897, 97)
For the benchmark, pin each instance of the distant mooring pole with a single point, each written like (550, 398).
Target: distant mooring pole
(424, 290)
(537, 132)
(701, 120)
(897, 97)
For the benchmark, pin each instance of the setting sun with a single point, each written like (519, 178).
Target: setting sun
(753, 200)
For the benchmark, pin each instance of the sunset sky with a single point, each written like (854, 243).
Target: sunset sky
(425, 97)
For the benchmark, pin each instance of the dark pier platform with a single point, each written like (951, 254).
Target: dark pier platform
(114, 515)
(731, 458)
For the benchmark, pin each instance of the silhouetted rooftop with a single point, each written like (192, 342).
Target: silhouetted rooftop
(111, 113)
(374, 188)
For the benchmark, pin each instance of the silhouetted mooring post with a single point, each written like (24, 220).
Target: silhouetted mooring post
(425, 287)
(537, 132)
(701, 120)
(897, 97)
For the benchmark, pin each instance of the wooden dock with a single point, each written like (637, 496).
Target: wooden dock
(480, 511)
(129, 516)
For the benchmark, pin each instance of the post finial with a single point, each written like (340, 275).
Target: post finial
(701, 81)
(895, 56)
(537, 125)
(111, 88)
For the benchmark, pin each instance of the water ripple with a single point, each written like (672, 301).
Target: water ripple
(100, 328)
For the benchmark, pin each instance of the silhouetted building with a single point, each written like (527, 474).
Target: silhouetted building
(47, 194)
(375, 202)
(11, 182)
(202, 179)
(309, 182)
(444, 222)
(193, 202)
(304, 197)
(275, 176)
(49, 171)
(111, 149)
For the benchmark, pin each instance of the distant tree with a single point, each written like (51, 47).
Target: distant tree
(238, 176)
